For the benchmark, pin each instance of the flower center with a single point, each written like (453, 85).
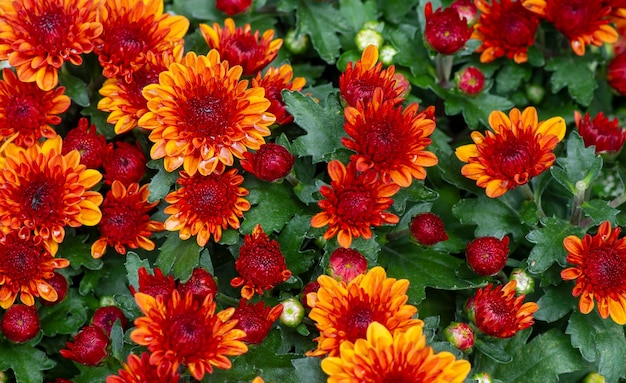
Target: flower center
(39, 200)
(357, 320)
(381, 142)
(605, 269)
(241, 48)
(19, 262)
(206, 116)
(126, 40)
(22, 114)
(187, 334)
(515, 162)
(49, 30)
(355, 205)
(119, 223)
(515, 31)
(208, 198)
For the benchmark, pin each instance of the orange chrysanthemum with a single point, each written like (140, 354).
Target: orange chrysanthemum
(183, 331)
(26, 112)
(239, 46)
(201, 115)
(360, 79)
(353, 203)
(205, 205)
(519, 148)
(599, 271)
(582, 22)
(125, 221)
(402, 357)
(45, 190)
(124, 100)
(343, 311)
(505, 28)
(274, 82)
(27, 263)
(389, 140)
(139, 370)
(37, 37)
(132, 29)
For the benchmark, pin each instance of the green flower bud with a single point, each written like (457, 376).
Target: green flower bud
(296, 44)
(525, 283)
(386, 54)
(367, 37)
(107, 300)
(374, 25)
(535, 93)
(482, 377)
(594, 377)
(293, 312)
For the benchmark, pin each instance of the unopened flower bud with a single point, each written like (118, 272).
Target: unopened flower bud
(616, 74)
(59, 284)
(296, 44)
(20, 323)
(482, 377)
(467, 10)
(374, 25)
(445, 31)
(105, 317)
(233, 7)
(535, 93)
(525, 283)
(293, 312)
(470, 80)
(270, 163)
(594, 377)
(310, 287)
(428, 229)
(346, 264)
(460, 335)
(367, 37)
(386, 54)
(89, 346)
(487, 255)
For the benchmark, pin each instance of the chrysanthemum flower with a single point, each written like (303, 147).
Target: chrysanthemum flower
(182, 331)
(505, 28)
(272, 162)
(239, 46)
(26, 112)
(519, 148)
(124, 100)
(256, 319)
(582, 22)
(261, 265)
(86, 140)
(274, 82)
(343, 311)
(124, 162)
(154, 285)
(354, 202)
(201, 115)
(389, 140)
(604, 134)
(125, 221)
(37, 37)
(616, 73)
(445, 30)
(45, 190)
(139, 370)
(360, 79)
(205, 205)
(498, 312)
(599, 271)
(402, 357)
(27, 263)
(131, 29)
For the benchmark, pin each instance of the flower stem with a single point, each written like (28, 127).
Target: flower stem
(444, 68)
(579, 198)
(531, 196)
(618, 201)
(225, 300)
(397, 234)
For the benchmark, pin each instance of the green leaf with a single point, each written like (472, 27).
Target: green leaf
(396, 10)
(324, 125)
(75, 88)
(198, 9)
(475, 110)
(493, 216)
(178, 257)
(77, 250)
(309, 370)
(417, 192)
(26, 361)
(90, 374)
(291, 240)
(133, 264)
(548, 242)
(406, 38)
(581, 165)
(600, 211)
(293, 342)
(493, 349)
(273, 206)
(357, 12)
(161, 182)
(117, 341)
(555, 303)
(511, 77)
(68, 316)
(575, 74)
(599, 340)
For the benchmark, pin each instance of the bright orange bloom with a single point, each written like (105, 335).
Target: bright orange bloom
(582, 22)
(505, 28)
(37, 37)
(26, 112)
(402, 357)
(45, 190)
(124, 100)
(498, 312)
(139, 370)
(205, 205)
(389, 140)
(27, 263)
(239, 46)
(201, 115)
(360, 79)
(274, 82)
(353, 203)
(125, 221)
(519, 148)
(131, 29)
(181, 330)
(343, 311)
(599, 271)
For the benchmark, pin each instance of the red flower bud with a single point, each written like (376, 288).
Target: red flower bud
(428, 229)
(445, 31)
(310, 287)
(466, 9)
(89, 144)
(20, 323)
(616, 74)
(270, 163)
(89, 346)
(124, 162)
(470, 80)
(487, 255)
(233, 7)
(346, 264)
(200, 284)
(105, 317)
(460, 335)
(59, 284)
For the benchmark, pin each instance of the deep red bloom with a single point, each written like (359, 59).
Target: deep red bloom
(346, 264)
(20, 323)
(89, 346)
(466, 9)
(90, 145)
(261, 265)
(616, 73)
(124, 162)
(487, 255)
(200, 284)
(139, 370)
(60, 285)
(256, 319)
(105, 317)
(428, 229)
(154, 285)
(274, 82)
(445, 31)
(270, 163)
(470, 80)
(233, 7)
(605, 135)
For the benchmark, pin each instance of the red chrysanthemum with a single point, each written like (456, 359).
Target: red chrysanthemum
(239, 46)
(261, 265)
(353, 204)
(182, 331)
(124, 162)
(154, 285)
(37, 37)
(270, 163)
(233, 7)
(60, 285)
(505, 28)
(45, 190)
(582, 22)
(616, 73)
(26, 112)
(131, 29)
(125, 220)
(106, 316)
(256, 320)
(498, 312)
(470, 80)
(466, 9)
(389, 140)
(346, 264)
(27, 263)
(445, 31)
(428, 229)
(606, 135)
(599, 271)
(89, 346)
(201, 115)
(90, 145)
(204, 205)
(139, 370)
(360, 79)
(274, 82)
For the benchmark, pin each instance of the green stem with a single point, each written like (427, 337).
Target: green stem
(531, 196)
(579, 198)
(618, 201)
(444, 68)
(292, 180)
(226, 300)
(397, 234)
